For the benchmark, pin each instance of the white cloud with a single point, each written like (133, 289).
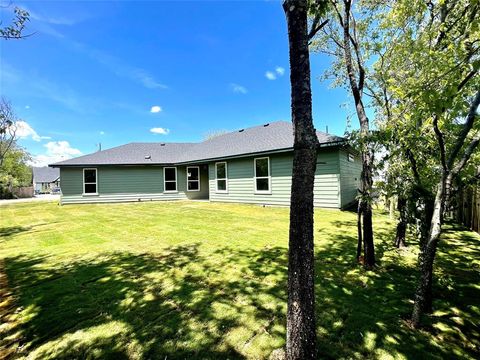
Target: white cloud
(55, 151)
(27, 107)
(155, 109)
(159, 130)
(270, 75)
(280, 70)
(239, 89)
(102, 132)
(23, 130)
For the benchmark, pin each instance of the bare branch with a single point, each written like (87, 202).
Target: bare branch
(472, 113)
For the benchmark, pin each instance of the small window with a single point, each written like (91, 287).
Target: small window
(170, 179)
(262, 175)
(221, 176)
(351, 157)
(90, 181)
(193, 178)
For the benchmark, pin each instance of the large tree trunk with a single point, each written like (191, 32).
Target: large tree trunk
(400, 241)
(301, 334)
(423, 294)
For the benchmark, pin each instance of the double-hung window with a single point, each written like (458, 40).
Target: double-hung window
(262, 175)
(89, 181)
(169, 179)
(193, 178)
(221, 177)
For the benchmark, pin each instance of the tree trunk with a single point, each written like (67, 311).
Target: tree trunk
(367, 182)
(402, 223)
(423, 294)
(367, 156)
(301, 331)
(359, 230)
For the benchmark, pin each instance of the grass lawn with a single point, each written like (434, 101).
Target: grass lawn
(169, 280)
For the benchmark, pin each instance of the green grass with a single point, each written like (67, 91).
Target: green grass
(203, 280)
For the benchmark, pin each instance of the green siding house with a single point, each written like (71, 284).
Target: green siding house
(251, 165)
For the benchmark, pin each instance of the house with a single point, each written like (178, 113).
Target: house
(252, 165)
(45, 179)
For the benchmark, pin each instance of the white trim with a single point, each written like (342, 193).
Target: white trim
(84, 183)
(255, 177)
(170, 181)
(198, 181)
(225, 178)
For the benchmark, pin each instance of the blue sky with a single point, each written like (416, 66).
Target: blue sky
(93, 72)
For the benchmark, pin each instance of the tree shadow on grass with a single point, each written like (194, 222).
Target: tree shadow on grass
(226, 303)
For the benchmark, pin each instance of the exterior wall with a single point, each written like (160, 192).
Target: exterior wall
(128, 183)
(349, 177)
(336, 182)
(241, 186)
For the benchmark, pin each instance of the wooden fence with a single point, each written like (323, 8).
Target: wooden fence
(468, 210)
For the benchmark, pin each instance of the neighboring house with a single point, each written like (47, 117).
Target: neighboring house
(251, 165)
(45, 179)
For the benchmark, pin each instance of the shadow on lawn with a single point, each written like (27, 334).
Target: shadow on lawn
(190, 304)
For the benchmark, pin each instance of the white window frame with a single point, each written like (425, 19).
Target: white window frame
(89, 183)
(351, 157)
(198, 181)
(225, 178)
(170, 181)
(255, 177)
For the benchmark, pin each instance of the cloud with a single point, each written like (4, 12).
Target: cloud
(270, 75)
(23, 130)
(280, 70)
(239, 89)
(273, 75)
(43, 88)
(27, 107)
(155, 109)
(118, 67)
(55, 151)
(159, 130)
(102, 132)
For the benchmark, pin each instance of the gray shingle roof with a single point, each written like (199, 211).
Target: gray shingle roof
(45, 174)
(259, 139)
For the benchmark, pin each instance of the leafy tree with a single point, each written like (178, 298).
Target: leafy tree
(345, 39)
(301, 332)
(15, 29)
(430, 72)
(7, 128)
(14, 170)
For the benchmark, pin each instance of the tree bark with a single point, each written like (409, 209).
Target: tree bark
(359, 231)
(367, 156)
(423, 294)
(400, 241)
(301, 331)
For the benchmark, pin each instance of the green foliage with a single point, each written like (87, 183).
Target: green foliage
(208, 281)
(14, 170)
(15, 29)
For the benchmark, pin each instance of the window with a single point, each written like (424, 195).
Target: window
(262, 175)
(193, 178)
(169, 179)
(351, 157)
(221, 176)
(89, 181)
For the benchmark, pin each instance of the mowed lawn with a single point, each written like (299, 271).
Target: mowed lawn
(168, 280)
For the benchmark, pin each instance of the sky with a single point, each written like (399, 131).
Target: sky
(114, 72)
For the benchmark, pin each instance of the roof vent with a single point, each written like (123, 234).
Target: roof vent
(148, 157)
(162, 144)
(241, 130)
(265, 125)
